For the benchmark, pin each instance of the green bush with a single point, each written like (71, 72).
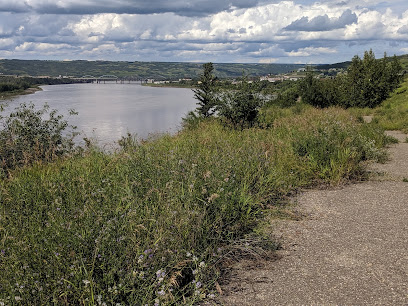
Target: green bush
(240, 107)
(191, 120)
(26, 136)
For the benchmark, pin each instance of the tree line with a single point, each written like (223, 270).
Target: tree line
(366, 83)
(10, 84)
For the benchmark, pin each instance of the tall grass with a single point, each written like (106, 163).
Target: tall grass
(150, 223)
(392, 114)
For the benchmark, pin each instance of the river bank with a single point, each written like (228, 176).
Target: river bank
(10, 95)
(169, 85)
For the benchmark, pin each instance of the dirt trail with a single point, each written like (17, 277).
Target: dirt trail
(352, 249)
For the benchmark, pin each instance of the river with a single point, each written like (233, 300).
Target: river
(108, 111)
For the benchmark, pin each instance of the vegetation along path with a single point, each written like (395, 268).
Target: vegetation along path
(350, 249)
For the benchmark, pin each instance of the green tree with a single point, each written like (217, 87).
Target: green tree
(369, 81)
(310, 89)
(395, 73)
(240, 107)
(205, 92)
(353, 83)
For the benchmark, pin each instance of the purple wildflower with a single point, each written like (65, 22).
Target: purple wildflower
(148, 251)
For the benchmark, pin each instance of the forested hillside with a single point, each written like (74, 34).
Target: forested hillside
(156, 70)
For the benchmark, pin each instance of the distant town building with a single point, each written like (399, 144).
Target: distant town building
(271, 79)
(161, 82)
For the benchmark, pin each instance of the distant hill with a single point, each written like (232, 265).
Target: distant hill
(156, 70)
(145, 70)
(344, 65)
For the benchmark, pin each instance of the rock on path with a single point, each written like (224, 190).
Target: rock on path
(351, 250)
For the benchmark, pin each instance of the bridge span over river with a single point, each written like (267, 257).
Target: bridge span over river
(107, 78)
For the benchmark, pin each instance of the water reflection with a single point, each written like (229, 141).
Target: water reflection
(109, 111)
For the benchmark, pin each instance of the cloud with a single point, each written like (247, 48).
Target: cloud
(46, 25)
(371, 26)
(14, 6)
(310, 51)
(403, 30)
(323, 23)
(6, 43)
(268, 60)
(179, 7)
(9, 25)
(203, 30)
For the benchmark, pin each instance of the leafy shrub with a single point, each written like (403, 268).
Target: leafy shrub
(27, 136)
(191, 120)
(287, 98)
(240, 107)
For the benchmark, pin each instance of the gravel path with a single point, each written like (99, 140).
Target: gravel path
(352, 249)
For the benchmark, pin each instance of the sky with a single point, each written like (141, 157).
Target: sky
(220, 31)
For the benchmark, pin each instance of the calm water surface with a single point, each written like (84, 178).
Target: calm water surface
(109, 111)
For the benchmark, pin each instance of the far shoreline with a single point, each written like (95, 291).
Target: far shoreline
(167, 86)
(10, 95)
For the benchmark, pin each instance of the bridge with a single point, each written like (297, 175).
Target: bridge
(103, 78)
(107, 78)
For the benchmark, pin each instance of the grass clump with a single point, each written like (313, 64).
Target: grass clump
(150, 223)
(331, 144)
(392, 114)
